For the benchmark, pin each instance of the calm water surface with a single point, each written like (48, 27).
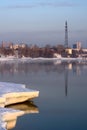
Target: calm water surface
(62, 104)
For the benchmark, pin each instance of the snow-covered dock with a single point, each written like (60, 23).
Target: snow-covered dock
(11, 93)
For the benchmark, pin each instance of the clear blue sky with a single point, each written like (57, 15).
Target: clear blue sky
(42, 21)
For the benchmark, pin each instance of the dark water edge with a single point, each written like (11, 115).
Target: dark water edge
(63, 93)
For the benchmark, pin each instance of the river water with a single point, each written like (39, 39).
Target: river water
(62, 103)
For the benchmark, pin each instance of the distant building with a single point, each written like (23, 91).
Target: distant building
(6, 45)
(23, 45)
(15, 46)
(84, 50)
(77, 46)
(56, 55)
(69, 51)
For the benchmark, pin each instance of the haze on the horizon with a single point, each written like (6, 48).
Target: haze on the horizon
(42, 21)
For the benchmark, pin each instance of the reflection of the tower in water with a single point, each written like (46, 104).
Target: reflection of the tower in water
(67, 67)
(9, 115)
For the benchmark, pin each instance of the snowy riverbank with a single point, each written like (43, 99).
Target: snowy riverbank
(29, 59)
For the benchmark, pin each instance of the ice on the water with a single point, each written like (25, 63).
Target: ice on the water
(12, 87)
(8, 118)
(9, 115)
(11, 93)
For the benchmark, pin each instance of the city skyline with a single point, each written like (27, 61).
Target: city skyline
(42, 21)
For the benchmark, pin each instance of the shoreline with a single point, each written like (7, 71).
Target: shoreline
(29, 59)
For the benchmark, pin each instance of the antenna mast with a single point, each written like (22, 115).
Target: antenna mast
(66, 35)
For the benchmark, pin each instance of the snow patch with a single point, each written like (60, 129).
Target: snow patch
(11, 93)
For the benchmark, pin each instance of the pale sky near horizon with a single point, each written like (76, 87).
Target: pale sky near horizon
(42, 21)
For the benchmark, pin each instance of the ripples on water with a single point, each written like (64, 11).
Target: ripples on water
(63, 93)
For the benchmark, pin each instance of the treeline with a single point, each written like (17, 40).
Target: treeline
(33, 51)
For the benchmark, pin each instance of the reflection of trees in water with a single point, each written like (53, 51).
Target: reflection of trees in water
(29, 68)
(12, 68)
(76, 68)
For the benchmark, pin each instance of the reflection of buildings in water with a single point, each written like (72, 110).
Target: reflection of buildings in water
(70, 66)
(76, 67)
(57, 62)
(24, 68)
(52, 66)
(10, 117)
(77, 70)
